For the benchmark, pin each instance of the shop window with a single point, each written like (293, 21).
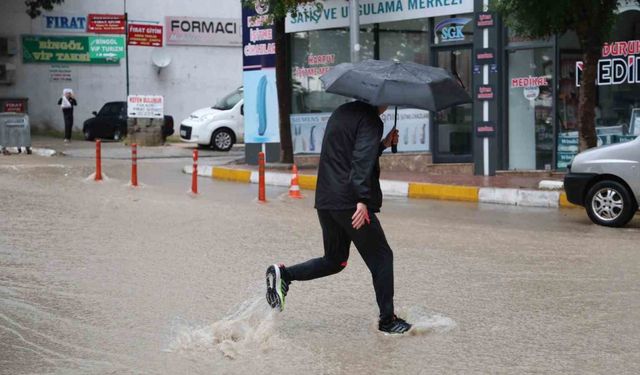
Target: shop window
(404, 41)
(618, 97)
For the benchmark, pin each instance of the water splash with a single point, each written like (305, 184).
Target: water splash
(425, 322)
(247, 329)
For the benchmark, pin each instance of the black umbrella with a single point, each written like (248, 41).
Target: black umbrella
(394, 83)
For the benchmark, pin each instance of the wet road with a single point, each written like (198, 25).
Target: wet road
(102, 278)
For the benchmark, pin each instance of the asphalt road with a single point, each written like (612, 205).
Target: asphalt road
(104, 278)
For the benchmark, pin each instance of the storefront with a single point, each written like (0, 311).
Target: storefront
(533, 85)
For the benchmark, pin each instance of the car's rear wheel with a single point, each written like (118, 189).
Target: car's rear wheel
(610, 203)
(88, 135)
(222, 140)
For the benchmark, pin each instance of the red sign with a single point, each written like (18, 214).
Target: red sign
(485, 92)
(145, 35)
(529, 81)
(14, 107)
(106, 23)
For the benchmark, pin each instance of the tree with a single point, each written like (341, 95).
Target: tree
(35, 7)
(592, 20)
(279, 10)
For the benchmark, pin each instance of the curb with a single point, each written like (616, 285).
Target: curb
(419, 190)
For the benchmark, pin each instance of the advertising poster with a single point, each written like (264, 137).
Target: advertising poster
(145, 35)
(145, 106)
(200, 31)
(261, 116)
(307, 130)
(106, 23)
(72, 49)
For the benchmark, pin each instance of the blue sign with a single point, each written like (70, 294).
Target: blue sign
(64, 22)
(450, 30)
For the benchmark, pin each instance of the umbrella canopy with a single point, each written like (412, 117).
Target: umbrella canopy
(393, 83)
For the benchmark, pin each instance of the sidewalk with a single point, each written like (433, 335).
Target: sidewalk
(520, 189)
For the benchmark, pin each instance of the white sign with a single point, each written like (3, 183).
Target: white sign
(335, 13)
(59, 73)
(65, 22)
(145, 106)
(199, 31)
(307, 130)
(531, 93)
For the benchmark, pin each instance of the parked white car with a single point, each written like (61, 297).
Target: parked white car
(218, 127)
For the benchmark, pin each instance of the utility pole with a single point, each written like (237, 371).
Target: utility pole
(126, 43)
(354, 30)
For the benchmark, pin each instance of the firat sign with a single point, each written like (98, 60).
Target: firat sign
(620, 64)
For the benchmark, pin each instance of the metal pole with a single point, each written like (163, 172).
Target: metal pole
(354, 30)
(126, 42)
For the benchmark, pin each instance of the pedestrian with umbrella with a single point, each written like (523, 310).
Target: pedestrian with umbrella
(348, 193)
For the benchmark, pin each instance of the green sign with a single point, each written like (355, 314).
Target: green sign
(72, 49)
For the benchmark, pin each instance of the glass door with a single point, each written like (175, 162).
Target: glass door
(530, 109)
(453, 130)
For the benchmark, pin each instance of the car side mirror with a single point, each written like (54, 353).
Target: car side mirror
(95, 113)
(242, 109)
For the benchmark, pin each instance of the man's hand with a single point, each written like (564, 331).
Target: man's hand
(391, 138)
(360, 216)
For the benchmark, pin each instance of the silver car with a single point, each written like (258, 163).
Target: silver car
(606, 181)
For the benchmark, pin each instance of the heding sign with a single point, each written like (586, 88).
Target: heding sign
(199, 31)
(620, 65)
(145, 35)
(64, 22)
(335, 13)
(106, 23)
(145, 106)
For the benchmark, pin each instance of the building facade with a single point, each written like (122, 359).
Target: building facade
(187, 51)
(525, 91)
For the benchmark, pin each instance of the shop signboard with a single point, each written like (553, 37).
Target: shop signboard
(64, 22)
(72, 49)
(485, 56)
(450, 29)
(14, 106)
(261, 113)
(335, 13)
(201, 31)
(60, 73)
(485, 129)
(145, 35)
(486, 92)
(485, 19)
(145, 106)
(106, 23)
(307, 130)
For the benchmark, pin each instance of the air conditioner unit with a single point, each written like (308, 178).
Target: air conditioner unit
(7, 74)
(8, 46)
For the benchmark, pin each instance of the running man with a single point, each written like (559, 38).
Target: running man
(347, 197)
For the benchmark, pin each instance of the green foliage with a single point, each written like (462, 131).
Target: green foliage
(280, 8)
(35, 7)
(591, 19)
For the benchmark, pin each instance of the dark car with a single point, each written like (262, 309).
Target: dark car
(111, 123)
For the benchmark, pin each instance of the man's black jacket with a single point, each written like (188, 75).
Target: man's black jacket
(349, 170)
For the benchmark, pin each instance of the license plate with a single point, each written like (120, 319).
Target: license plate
(183, 133)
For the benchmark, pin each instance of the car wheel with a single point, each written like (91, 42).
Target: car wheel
(609, 203)
(222, 140)
(117, 135)
(87, 135)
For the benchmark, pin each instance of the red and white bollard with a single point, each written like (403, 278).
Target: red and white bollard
(261, 180)
(98, 176)
(194, 174)
(134, 164)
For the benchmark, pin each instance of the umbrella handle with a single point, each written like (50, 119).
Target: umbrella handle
(394, 148)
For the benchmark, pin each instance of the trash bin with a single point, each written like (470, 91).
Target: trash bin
(15, 131)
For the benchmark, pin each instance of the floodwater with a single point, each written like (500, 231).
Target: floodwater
(101, 278)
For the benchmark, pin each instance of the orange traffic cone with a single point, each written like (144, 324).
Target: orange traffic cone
(294, 190)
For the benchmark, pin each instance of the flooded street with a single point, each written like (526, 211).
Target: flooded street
(101, 278)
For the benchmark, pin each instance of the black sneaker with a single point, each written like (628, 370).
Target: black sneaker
(394, 325)
(277, 287)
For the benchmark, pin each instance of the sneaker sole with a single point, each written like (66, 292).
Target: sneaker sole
(274, 294)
